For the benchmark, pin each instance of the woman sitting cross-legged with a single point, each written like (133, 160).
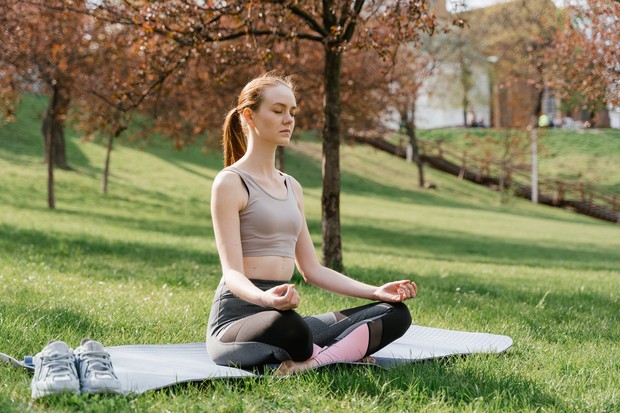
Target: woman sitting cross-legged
(261, 234)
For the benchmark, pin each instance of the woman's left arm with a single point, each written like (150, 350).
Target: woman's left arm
(316, 274)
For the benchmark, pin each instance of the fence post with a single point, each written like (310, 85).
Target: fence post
(558, 198)
(462, 171)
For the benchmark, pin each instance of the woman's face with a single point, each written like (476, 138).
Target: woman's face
(274, 120)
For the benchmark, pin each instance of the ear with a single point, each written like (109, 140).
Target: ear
(247, 115)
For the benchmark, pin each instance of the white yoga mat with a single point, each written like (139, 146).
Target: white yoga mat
(142, 367)
(154, 366)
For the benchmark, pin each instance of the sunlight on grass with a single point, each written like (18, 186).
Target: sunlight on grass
(139, 265)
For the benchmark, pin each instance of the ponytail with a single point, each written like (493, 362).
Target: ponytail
(234, 140)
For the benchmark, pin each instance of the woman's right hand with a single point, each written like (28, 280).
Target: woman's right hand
(282, 297)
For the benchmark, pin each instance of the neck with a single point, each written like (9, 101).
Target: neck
(260, 158)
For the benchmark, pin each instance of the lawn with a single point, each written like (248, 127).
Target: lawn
(139, 265)
(589, 155)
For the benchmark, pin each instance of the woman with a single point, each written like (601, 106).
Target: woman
(261, 234)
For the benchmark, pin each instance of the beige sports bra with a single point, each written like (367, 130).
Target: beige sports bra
(269, 225)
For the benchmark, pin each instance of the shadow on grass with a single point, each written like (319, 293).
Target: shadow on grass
(555, 316)
(437, 379)
(108, 260)
(417, 383)
(50, 323)
(308, 171)
(191, 155)
(463, 247)
(157, 226)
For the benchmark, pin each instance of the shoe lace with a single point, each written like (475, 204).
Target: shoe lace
(59, 364)
(98, 361)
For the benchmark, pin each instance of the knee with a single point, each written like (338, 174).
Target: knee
(400, 318)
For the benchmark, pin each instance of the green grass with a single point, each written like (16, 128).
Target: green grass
(589, 156)
(140, 266)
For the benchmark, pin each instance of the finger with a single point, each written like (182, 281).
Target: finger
(280, 289)
(294, 296)
(290, 290)
(405, 293)
(294, 301)
(400, 284)
(409, 290)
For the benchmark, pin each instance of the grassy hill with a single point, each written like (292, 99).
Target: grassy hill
(140, 266)
(589, 155)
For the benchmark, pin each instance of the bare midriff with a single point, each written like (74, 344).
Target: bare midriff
(269, 268)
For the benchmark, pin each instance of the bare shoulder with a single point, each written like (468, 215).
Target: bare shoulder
(228, 191)
(226, 180)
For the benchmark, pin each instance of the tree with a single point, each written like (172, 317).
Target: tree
(8, 97)
(133, 72)
(519, 35)
(413, 67)
(583, 64)
(334, 26)
(44, 47)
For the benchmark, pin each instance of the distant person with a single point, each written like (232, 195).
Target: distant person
(261, 234)
(544, 121)
(470, 118)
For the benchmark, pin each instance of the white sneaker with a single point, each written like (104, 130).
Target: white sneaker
(54, 371)
(95, 368)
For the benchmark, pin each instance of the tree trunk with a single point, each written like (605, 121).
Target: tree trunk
(466, 84)
(50, 154)
(330, 201)
(416, 158)
(538, 108)
(280, 158)
(53, 123)
(408, 117)
(106, 169)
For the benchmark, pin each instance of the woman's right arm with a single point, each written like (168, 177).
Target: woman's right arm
(228, 197)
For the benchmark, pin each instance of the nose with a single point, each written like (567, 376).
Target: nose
(288, 118)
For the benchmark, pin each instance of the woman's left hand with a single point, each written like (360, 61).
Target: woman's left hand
(396, 291)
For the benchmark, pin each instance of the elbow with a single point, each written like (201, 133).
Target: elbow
(308, 272)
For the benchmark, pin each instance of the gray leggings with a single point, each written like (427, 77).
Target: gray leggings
(268, 336)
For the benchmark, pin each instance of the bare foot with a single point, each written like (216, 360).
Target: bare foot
(369, 360)
(290, 367)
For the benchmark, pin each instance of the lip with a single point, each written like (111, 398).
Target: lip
(288, 131)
